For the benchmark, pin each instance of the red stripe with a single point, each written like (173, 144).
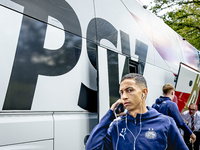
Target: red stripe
(181, 99)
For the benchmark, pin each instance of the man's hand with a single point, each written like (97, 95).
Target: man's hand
(186, 122)
(115, 105)
(193, 137)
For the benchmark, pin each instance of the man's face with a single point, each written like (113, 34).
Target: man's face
(192, 110)
(131, 94)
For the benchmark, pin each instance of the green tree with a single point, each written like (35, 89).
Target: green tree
(183, 16)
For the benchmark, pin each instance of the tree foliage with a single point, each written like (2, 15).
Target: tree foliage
(183, 16)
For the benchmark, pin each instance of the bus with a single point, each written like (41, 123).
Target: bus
(62, 61)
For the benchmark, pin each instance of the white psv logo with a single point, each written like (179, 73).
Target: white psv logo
(150, 134)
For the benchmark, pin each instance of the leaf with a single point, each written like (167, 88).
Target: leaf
(183, 17)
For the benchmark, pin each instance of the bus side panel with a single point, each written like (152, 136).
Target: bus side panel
(25, 127)
(74, 15)
(39, 65)
(170, 46)
(38, 145)
(126, 34)
(156, 77)
(9, 33)
(116, 28)
(71, 129)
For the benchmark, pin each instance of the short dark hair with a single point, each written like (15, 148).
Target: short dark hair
(139, 79)
(167, 88)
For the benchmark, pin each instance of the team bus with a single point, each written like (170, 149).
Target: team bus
(61, 62)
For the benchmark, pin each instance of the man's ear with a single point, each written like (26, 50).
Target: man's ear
(172, 92)
(145, 91)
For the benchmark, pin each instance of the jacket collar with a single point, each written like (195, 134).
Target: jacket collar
(151, 113)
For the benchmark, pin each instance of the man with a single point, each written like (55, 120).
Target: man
(141, 128)
(192, 119)
(166, 106)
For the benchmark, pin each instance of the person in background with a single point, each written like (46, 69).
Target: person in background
(165, 105)
(141, 128)
(192, 119)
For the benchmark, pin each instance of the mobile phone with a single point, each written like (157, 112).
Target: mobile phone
(120, 108)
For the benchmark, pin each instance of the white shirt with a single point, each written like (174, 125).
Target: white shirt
(188, 118)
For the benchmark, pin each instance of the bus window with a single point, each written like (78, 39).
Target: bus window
(133, 67)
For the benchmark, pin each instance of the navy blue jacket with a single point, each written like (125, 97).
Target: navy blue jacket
(149, 131)
(165, 106)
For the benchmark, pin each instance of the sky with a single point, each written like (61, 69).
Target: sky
(146, 2)
(150, 3)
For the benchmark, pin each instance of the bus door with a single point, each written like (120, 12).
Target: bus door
(112, 67)
(187, 87)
